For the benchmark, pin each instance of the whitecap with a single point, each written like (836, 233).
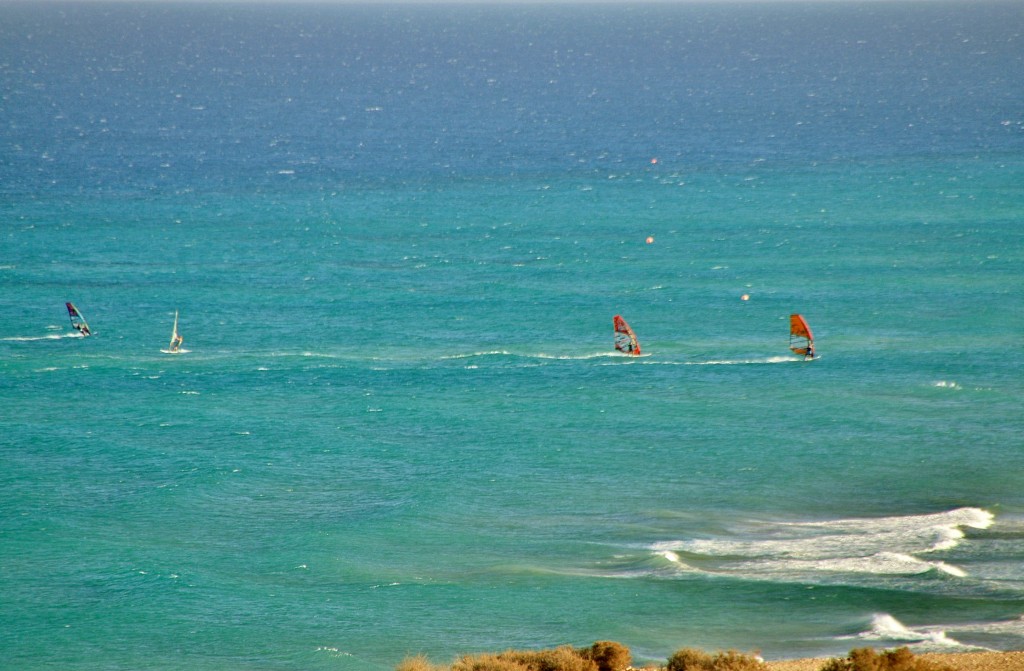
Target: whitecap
(52, 336)
(886, 628)
(497, 352)
(744, 362)
(669, 555)
(818, 551)
(954, 571)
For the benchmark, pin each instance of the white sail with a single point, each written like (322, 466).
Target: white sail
(175, 345)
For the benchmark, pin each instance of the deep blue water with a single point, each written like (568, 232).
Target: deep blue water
(397, 235)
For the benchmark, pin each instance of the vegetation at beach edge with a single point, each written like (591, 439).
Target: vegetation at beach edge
(612, 656)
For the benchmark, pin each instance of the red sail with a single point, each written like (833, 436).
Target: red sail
(625, 339)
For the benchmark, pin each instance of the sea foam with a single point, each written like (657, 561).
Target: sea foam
(885, 627)
(939, 637)
(813, 551)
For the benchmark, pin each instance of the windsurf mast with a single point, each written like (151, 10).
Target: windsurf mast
(801, 340)
(625, 339)
(77, 320)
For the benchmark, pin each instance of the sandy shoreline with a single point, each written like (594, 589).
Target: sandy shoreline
(960, 661)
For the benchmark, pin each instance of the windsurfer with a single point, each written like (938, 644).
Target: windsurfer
(801, 340)
(77, 320)
(625, 339)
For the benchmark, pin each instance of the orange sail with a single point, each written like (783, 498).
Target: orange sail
(801, 340)
(625, 339)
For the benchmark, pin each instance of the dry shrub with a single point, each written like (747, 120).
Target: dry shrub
(486, 662)
(737, 661)
(866, 659)
(608, 655)
(417, 663)
(691, 659)
(601, 656)
(563, 658)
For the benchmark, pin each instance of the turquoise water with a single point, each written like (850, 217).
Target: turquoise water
(399, 426)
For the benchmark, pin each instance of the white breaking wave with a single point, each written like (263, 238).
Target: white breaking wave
(728, 362)
(940, 637)
(583, 357)
(497, 352)
(1006, 628)
(52, 336)
(803, 550)
(538, 355)
(881, 563)
(733, 362)
(886, 629)
(669, 555)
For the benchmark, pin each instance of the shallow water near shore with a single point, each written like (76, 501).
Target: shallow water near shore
(398, 425)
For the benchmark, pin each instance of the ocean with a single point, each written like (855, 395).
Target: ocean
(396, 236)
